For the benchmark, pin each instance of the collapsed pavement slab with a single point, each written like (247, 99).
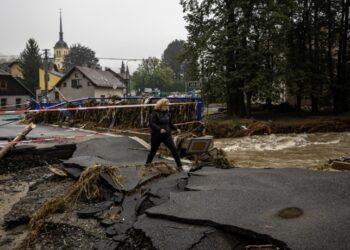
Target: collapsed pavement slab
(166, 234)
(116, 150)
(158, 192)
(293, 208)
(86, 161)
(93, 209)
(132, 178)
(119, 150)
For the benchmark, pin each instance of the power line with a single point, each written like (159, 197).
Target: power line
(119, 59)
(9, 56)
(101, 58)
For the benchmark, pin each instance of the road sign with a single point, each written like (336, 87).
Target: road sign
(194, 84)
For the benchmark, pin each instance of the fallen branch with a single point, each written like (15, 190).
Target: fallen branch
(11, 145)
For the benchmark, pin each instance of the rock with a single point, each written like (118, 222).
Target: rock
(90, 211)
(106, 245)
(117, 228)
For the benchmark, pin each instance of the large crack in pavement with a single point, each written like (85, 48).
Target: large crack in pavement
(208, 209)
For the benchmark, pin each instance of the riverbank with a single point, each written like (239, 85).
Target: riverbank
(221, 126)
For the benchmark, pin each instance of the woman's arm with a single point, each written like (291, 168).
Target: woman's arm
(171, 124)
(153, 121)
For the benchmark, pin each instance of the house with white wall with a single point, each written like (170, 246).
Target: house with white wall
(81, 82)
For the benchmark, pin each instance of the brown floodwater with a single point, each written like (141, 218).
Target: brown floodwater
(286, 150)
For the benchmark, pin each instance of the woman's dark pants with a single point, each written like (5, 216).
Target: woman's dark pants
(156, 140)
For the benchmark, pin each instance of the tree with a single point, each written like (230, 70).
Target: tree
(252, 49)
(238, 46)
(172, 58)
(342, 83)
(30, 61)
(79, 55)
(152, 73)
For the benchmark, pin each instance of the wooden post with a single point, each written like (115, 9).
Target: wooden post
(18, 138)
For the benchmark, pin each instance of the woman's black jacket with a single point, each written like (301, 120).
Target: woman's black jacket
(161, 120)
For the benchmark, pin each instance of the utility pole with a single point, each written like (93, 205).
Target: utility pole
(127, 76)
(46, 64)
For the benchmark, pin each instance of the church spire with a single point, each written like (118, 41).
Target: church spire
(61, 43)
(61, 30)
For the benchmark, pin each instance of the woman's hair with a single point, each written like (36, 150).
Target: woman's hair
(161, 102)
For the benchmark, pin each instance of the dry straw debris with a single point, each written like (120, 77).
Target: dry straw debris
(158, 167)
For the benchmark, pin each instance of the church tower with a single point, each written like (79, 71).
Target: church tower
(60, 49)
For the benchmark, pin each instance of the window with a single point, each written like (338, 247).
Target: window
(88, 83)
(76, 75)
(103, 98)
(18, 102)
(3, 102)
(57, 96)
(3, 84)
(64, 84)
(76, 83)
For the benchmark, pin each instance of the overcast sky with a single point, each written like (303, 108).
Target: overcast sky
(112, 28)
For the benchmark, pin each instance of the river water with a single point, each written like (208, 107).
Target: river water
(286, 150)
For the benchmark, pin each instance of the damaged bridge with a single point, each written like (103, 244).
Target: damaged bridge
(160, 208)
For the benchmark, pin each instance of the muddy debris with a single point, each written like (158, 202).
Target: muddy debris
(261, 127)
(95, 222)
(62, 236)
(125, 118)
(37, 195)
(342, 163)
(128, 206)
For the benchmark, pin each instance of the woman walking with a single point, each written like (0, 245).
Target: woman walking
(161, 126)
